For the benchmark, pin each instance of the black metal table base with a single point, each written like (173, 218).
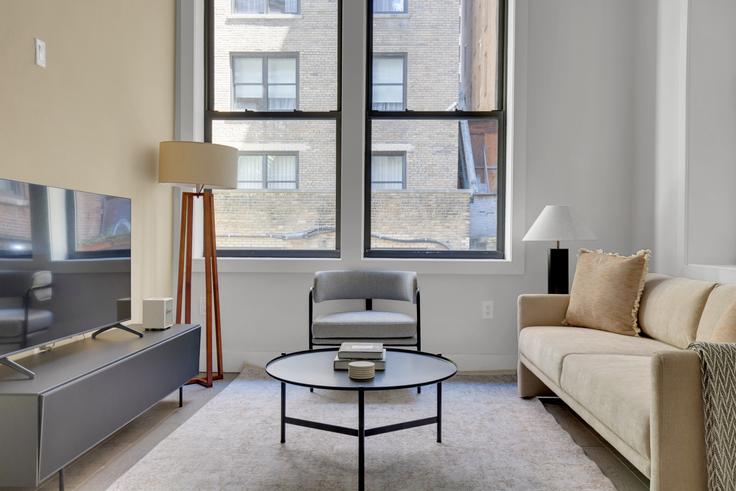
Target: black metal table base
(361, 432)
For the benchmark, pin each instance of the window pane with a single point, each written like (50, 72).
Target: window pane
(250, 6)
(302, 152)
(388, 5)
(249, 91)
(250, 172)
(282, 168)
(15, 219)
(247, 70)
(445, 206)
(387, 171)
(101, 223)
(460, 69)
(281, 70)
(388, 70)
(310, 38)
(388, 93)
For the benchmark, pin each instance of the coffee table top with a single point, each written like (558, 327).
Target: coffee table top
(404, 368)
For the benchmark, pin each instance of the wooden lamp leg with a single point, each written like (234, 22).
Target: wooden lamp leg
(212, 292)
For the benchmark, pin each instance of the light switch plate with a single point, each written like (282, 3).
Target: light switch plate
(41, 53)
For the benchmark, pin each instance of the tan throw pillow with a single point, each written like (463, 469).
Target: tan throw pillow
(725, 329)
(606, 291)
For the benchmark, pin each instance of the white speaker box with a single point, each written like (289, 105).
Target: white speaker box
(158, 313)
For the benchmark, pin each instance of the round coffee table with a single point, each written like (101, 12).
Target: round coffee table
(404, 369)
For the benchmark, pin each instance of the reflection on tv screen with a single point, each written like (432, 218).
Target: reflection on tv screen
(64, 263)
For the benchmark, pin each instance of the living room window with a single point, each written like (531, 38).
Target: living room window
(273, 93)
(264, 171)
(390, 6)
(265, 82)
(452, 118)
(266, 6)
(388, 170)
(389, 82)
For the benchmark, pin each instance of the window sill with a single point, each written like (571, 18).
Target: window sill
(228, 265)
(234, 18)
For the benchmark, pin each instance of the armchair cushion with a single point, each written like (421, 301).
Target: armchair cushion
(364, 324)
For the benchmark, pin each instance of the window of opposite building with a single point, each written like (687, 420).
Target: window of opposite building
(273, 92)
(388, 170)
(390, 6)
(265, 82)
(268, 171)
(443, 98)
(266, 6)
(389, 82)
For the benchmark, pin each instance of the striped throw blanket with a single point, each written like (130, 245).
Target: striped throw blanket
(718, 374)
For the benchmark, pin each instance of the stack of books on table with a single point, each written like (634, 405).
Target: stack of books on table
(360, 352)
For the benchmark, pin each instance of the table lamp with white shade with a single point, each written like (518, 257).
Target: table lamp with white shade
(557, 223)
(204, 166)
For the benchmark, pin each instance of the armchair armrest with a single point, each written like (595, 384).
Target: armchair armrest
(677, 424)
(541, 310)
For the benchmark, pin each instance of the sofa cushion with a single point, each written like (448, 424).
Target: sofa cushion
(617, 390)
(547, 346)
(718, 322)
(671, 308)
(364, 324)
(606, 290)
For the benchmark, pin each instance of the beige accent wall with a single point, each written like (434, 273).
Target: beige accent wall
(93, 118)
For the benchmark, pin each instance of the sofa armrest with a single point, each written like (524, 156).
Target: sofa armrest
(541, 310)
(677, 424)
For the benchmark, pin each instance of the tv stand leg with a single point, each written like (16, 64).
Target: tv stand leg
(181, 396)
(17, 367)
(61, 479)
(117, 326)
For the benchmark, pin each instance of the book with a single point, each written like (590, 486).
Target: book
(360, 351)
(342, 364)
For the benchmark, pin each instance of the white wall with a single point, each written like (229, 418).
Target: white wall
(693, 169)
(575, 109)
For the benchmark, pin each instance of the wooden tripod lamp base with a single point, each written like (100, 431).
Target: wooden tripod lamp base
(200, 165)
(212, 287)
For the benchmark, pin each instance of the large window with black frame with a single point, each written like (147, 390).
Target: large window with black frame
(273, 92)
(435, 121)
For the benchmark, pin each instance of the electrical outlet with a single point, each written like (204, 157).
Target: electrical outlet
(487, 309)
(40, 53)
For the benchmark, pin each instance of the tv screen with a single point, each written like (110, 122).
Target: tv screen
(64, 263)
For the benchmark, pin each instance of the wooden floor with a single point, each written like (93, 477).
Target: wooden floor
(623, 475)
(100, 467)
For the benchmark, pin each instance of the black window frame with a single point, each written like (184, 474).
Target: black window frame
(389, 12)
(211, 115)
(457, 115)
(71, 236)
(405, 76)
(392, 153)
(265, 181)
(265, 58)
(268, 11)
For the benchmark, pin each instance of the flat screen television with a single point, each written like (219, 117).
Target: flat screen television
(64, 263)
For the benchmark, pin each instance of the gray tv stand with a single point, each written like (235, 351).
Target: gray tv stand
(84, 392)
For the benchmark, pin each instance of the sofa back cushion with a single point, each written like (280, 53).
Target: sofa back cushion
(718, 322)
(671, 307)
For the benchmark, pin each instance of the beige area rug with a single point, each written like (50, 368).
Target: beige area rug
(492, 440)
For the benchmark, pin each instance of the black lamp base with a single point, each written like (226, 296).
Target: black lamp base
(557, 271)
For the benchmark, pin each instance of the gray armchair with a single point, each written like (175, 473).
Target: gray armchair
(389, 328)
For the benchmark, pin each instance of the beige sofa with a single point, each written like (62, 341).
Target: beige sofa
(642, 394)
